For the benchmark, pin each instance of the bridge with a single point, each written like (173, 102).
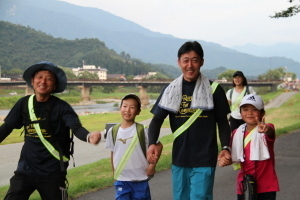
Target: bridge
(85, 86)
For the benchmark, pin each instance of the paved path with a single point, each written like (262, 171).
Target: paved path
(287, 160)
(287, 166)
(83, 154)
(279, 100)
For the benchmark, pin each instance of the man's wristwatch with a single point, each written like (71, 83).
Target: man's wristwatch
(227, 148)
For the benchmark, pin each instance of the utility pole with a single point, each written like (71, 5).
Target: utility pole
(286, 78)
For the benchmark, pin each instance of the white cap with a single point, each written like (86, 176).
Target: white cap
(254, 100)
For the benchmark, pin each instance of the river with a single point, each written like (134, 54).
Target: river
(87, 109)
(94, 108)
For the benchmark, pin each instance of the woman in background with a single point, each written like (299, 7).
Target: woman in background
(235, 96)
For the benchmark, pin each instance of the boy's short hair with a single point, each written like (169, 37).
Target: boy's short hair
(132, 96)
(254, 100)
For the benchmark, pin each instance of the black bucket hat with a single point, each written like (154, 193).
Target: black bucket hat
(46, 65)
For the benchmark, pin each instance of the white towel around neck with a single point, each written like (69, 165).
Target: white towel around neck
(202, 96)
(258, 146)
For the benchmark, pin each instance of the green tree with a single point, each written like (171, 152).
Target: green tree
(130, 77)
(15, 71)
(277, 74)
(16, 40)
(289, 12)
(158, 76)
(69, 73)
(87, 75)
(123, 54)
(109, 89)
(227, 74)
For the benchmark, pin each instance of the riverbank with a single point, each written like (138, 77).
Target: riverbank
(85, 103)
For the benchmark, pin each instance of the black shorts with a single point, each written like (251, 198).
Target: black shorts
(22, 186)
(261, 196)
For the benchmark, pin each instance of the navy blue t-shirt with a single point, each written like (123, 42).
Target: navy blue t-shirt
(197, 146)
(35, 159)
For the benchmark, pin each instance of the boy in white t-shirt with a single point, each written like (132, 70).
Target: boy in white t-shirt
(129, 164)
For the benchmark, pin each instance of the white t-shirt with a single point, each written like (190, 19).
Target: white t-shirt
(136, 167)
(235, 95)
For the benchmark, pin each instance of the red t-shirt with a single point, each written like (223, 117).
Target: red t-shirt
(263, 171)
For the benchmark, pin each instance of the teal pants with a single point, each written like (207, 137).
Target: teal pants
(193, 183)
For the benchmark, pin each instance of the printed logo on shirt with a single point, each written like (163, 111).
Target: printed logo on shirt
(185, 105)
(185, 110)
(31, 132)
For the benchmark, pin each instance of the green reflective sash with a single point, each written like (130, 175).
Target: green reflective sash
(37, 127)
(189, 122)
(239, 99)
(246, 141)
(126, 156)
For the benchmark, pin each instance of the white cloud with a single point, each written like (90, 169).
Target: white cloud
(231, 22)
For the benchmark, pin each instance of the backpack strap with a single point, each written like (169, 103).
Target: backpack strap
(114, 132)
(247, 90)
(140, 132)
(231, 91)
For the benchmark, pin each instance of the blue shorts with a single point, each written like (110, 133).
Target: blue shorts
(190, 183)
(127, 190)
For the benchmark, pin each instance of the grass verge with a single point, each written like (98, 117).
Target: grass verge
(98, 175)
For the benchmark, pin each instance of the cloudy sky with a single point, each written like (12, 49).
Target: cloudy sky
(226, 22)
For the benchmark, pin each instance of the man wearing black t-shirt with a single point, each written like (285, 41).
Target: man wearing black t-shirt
(195, 148)
(47, 121)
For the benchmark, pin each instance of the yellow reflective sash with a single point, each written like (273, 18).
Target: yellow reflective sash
(248, 138)
(37, 127)
(238, 101)
(189, 122)
(126, 156)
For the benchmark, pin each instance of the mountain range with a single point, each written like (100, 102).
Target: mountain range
(65, 20)
(287, 50)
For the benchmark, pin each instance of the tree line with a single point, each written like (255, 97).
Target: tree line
(20, 47)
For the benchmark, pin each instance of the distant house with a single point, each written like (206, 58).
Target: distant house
(152, 73)
(119, 77)
(101, 72)
(140, 77)
(144, 76)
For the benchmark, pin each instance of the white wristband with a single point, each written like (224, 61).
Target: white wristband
(88, 138)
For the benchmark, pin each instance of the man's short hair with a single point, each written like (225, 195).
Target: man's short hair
(191, 46)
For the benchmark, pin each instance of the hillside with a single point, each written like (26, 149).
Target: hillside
(280, 49)
(64, 20)
(24, 46)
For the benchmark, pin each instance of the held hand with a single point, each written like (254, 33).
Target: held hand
(95, 137)
(262, 127)
(151, 170)
(152, 154)
(224, 158)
